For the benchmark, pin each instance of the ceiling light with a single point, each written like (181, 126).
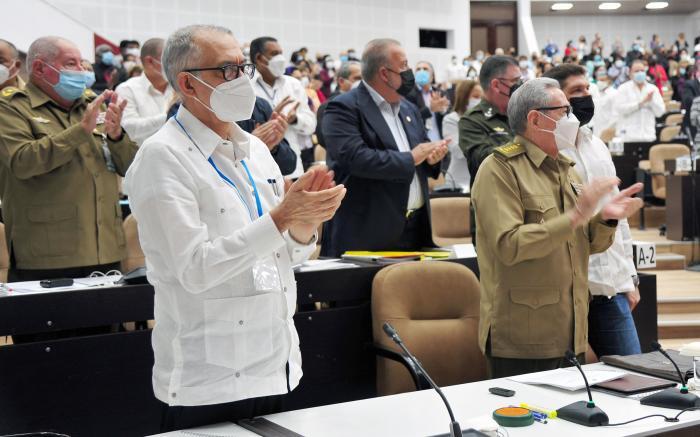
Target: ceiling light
(563, 6)
(656, 5)
(609, 6)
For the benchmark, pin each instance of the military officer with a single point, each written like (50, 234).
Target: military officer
(61, 148)
(537, 228)
(485, 127)
(10, 66)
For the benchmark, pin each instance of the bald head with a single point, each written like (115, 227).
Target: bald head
(50, 48)
(9, 48)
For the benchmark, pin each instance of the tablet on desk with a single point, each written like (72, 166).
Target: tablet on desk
(633, 384)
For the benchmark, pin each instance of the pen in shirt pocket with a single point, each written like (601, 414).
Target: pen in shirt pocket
(273, 184)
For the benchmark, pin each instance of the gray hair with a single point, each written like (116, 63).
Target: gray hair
(13, 48)
(345, 72)
(152, 47)
(530, 95)
(45, 48)
(181, 52)
(376, 56)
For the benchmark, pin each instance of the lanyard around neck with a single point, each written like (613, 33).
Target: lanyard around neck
(226, 179)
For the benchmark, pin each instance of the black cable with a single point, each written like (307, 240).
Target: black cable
(667, 419)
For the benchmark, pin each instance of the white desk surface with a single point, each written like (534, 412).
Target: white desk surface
(423, 414)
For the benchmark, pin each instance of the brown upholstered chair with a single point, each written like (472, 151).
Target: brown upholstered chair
(673, 106)
(434, 183)
(434, 306)
(4, 255)
(657, 155)
(450, 220)
(673, 119)
(319, 153)
(607, 134)
(134, 255)
(669, 133)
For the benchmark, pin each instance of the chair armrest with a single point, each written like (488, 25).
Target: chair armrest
(419, 379)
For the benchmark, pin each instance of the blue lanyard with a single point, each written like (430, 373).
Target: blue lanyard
(258, 204)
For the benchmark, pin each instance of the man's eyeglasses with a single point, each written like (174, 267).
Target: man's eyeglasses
(552, 108)
(229, 71)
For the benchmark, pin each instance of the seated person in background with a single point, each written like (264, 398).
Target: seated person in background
(107, 71)
(612, 276)
(10, 66)
(62, 150)
(147, 95)
(467, 95)
(378, 148)
(430, 101)
(537, 226)
(637, 104)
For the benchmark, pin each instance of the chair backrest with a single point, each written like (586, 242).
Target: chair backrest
(673, 106)
(450, 220)
(669, 133)
(434, 306)
(134, 255)
(319, 153)
(673, 119)
(657, 155)
(4, 255)
(434, 183)
(608, 134)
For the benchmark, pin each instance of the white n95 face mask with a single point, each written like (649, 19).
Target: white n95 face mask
(4, 73)
(565, 131)
(231, 101)
(276, 65)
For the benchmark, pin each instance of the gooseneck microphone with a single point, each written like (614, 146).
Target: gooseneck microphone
(455, 428)
(672, 398)
(582, 412)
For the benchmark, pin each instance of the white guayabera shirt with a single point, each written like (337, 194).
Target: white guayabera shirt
(225, 291)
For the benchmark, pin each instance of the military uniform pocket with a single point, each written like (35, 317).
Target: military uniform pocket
(539, 208)
(53, 230)
(533, 312)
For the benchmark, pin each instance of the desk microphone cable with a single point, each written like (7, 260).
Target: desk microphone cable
(666, 418)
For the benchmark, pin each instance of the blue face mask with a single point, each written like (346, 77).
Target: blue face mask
(72, 84)
(681, 71)
(108, 58)
(343, 58)
(640, 77)
(422, 78)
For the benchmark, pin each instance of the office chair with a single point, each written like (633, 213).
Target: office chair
(434, 305)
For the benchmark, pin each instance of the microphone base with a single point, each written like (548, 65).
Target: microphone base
(581, 413)
(470, 432)
(671, 398)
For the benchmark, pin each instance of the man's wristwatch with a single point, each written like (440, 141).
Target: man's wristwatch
(635, 280)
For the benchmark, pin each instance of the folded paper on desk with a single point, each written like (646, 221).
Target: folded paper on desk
(315, 265)
(653, 363)
(568, 378)
(31, 287)
(389, 257)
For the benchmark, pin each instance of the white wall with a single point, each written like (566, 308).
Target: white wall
(321, 25)
(27, 20)
(563, 28)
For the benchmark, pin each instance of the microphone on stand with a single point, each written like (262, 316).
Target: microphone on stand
(455, 428)
(582, 412)
(674, 398)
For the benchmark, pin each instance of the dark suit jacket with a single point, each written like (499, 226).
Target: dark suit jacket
(362, 152)
(416, 97)
(691, 90)
(320, 112)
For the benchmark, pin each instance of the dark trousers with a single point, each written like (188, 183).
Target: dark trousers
(497, 367)
(415, 231)
(307, 158)
(179, 417)
(20, 275)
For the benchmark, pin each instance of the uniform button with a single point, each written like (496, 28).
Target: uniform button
(278, 254)
(240, 322)
(222, 210)
(174, 395)
(189, 148)
(238, 374)
(97, 175)
(284, 289)
(536, 302)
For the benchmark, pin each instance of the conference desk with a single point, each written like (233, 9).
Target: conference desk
(682, 212)
(423, 414)
(101, 385)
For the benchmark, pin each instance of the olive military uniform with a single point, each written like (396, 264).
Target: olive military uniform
(60, 195)
(534, 266)
(481, 130)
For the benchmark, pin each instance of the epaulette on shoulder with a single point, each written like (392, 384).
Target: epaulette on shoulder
(89, 94)
(510, 150)
(10, 91)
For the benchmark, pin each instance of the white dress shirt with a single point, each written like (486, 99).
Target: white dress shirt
(306, 120)
(637, 122)
(609, 272)
(393, 120)
(458, 171)
(604, 116)
(225, 292)
(146, 107)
